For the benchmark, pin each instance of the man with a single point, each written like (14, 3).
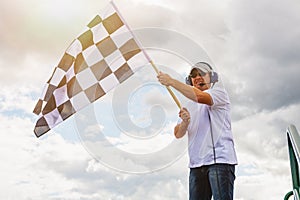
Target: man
(206, 120)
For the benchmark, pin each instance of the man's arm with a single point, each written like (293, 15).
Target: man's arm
(188, 91)
(180, 129)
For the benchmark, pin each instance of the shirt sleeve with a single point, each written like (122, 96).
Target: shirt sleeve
(219, 96)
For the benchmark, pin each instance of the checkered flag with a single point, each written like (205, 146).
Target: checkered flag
(103, 56)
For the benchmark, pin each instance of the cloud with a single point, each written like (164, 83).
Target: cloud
(264, 71)
(253, 44)
(248, 187)
(264, 134)
(27, 164)
(262, 151)
(35, 36)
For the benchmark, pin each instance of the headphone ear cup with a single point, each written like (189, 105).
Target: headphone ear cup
(214, 77)
(188, 80)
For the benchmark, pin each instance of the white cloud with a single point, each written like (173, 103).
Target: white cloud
(253, 44)
(31, 166)
(263, 153)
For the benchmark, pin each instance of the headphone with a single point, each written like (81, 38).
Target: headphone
(213, 75)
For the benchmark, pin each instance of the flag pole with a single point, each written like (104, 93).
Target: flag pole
(146, 55)
(168, 88)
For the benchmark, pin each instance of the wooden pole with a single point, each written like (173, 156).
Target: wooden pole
(168, 88)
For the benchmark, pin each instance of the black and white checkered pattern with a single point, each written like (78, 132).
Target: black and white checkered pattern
(103, 56)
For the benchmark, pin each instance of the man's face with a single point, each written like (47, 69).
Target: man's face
(200, 79)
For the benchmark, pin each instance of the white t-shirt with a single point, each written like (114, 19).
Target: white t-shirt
(211, 142)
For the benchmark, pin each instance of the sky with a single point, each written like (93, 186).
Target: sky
(253, 45)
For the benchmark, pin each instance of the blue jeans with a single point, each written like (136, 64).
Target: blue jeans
(212, 180)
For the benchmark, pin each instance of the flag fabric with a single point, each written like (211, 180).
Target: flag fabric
(99, 59)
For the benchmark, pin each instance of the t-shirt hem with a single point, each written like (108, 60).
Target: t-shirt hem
(206, 164)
